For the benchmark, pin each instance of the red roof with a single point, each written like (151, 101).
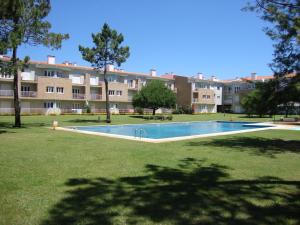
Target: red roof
(259, 78)
(168, 76)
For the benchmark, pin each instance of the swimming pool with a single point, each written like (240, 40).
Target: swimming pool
(170, 131)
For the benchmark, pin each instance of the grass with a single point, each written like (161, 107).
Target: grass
(57, 177)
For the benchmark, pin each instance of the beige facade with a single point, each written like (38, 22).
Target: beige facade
(67, 88)
(203, 96)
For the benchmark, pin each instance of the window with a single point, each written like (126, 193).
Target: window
(218, 97)
(111, 92)
(53, 73)
(49, 89)
(218, 88)
(208, 96)
(236, 89)
(130, 84)
(76, 106)
(48, 105)
(58, 105)
(60, 90)
(75, 91)
(119, 93)
(203, 96)
(25, 88)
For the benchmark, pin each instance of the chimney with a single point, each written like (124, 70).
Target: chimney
(110, 67)
(51, 59)
(200, 76)
(253, 76)
(214, 78)
(152, 72)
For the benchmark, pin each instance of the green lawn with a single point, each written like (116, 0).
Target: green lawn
(57, 177)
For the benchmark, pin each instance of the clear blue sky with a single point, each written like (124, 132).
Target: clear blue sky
(182, 36)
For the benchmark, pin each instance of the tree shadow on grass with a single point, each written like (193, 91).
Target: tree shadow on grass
(86, 121)
(189, 194)
(137, 116)
(9, 125)
(255, 145)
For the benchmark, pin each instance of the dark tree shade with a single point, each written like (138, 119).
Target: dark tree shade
(154, 95)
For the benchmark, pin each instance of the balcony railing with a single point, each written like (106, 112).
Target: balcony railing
(6, 93)
(31, 94)
(195, 100)
(132, 87)
(7, 77)
(78, 96)
(96, 97)
(97, 83)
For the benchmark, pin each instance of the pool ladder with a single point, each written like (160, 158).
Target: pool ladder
(139, 133)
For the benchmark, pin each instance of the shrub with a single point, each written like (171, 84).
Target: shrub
(183, 110)
(139, 110)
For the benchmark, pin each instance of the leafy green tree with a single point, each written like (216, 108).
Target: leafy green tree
(23, 22)
(284, 16)
(154, 95)
(289, 95)
(106, 51)
(263, 100)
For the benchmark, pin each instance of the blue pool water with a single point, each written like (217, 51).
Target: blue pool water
(169, 130)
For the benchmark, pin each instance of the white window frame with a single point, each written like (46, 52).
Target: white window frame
(49, 88)
(48, 105)
(60, 90)
(111, 92)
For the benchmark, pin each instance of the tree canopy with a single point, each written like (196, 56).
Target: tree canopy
(154, 95)
(107, 50)
(263, 100)
(23, 22)
(284, 17)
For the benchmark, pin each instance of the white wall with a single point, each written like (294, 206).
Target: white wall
(77, 78)
(94, 80)
(28, 75)
(203, 108)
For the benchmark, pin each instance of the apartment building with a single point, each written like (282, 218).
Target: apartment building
(48, 87)
(236, 89)
(202, 95)
(212, 95)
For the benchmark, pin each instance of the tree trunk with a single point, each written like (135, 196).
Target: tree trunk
(286, 111)
(107, 98)
(153, 112)
(16, 89)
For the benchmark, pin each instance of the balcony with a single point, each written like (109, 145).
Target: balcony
(132, 87)
(30, 94)
(96, 83)
(96, 97)
(6, 93)
(195, 100)
(78, 96)
(6, 76)
(28, 76)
